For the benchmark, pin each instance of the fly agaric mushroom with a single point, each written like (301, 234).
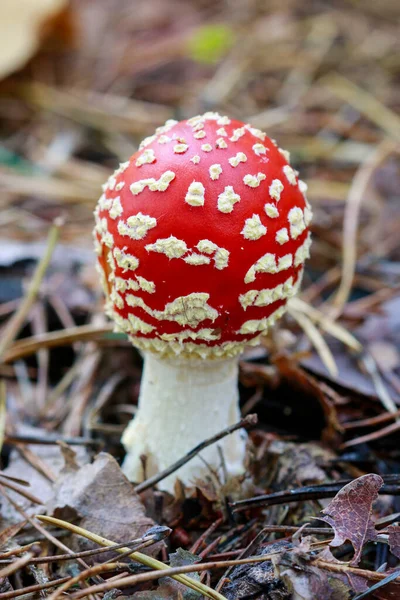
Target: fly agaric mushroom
(201, 238)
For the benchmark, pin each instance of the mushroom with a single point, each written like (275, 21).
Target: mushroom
(201, 238)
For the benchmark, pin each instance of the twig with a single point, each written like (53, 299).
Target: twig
(378, 586)
(138, 556)
(17, 320)
(375, 435)
(171, 572)
(39, 527)
(198, 543)
(94, 570)
(248, 421)
(51, 439)
(161, 534)
(343, 568)
(371, 421)
(147, 540)
(20, 563)
(33, 588)
(16, 488)
(312, 492)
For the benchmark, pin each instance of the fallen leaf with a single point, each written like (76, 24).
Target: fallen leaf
(21, 26)
(70, 459)
(305, 581)
(394, 539)
(105, 501)
(350, 513)
(46, 455)
(312, 583)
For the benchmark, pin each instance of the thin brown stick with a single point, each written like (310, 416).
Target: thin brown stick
(196, 546)
(371, 421)
(375, 435)
(39, 527)
(338, 568)
(20, 563)
(74, 555)
(143, 577)
(33, 588)
(21, 491)
(246, 422)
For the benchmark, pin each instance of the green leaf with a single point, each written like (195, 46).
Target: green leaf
(210, 43)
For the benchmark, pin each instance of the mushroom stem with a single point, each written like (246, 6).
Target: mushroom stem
(181, 403)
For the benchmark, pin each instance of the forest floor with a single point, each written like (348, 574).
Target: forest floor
(323, 78)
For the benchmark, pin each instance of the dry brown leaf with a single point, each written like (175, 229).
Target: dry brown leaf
(305, 581)
(349, 513)
(103, 498)
(21, 23)
(40, 455)
(394, 539)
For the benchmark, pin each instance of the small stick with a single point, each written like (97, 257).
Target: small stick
(375, 435)
(371, 421)
(137, 556)
(246, 422)
(147, 539)
(20, 563)
(151, 575)
(18, 490)
(33, 588)
(312, 492)
(16, 322)
(50, 439)
(197, 545)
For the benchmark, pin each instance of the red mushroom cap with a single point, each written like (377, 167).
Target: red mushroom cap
(201, 237)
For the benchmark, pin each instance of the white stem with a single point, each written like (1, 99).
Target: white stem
(182, 403)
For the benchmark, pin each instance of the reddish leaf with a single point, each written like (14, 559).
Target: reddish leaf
(394, 539)
(349, 513)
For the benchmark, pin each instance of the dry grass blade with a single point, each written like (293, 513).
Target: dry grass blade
(351, 219)
(370, 365)
(331, 327)
(64, 191)
(21, 491)
(17, 320)
(3, 411)
(138, 556)
(316, 339)
(365, 103)
(107, 112)
(28, 346)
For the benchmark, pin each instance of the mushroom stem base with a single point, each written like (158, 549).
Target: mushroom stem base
(181, 403)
